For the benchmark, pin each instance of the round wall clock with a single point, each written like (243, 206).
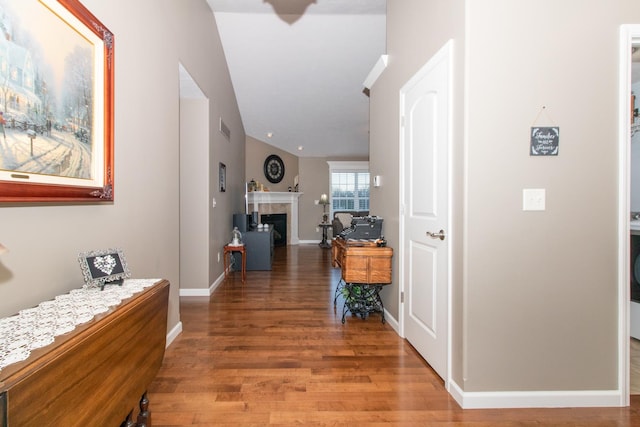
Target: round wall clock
(274, 168)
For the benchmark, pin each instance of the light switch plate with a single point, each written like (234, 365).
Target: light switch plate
(533, 199)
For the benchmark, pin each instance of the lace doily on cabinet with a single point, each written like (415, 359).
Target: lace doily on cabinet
(37, 327)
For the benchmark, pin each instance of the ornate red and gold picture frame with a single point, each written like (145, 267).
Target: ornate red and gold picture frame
(56, 103)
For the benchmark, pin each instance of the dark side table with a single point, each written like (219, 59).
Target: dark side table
(324, 243)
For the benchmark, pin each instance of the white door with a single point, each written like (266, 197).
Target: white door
(425, 132)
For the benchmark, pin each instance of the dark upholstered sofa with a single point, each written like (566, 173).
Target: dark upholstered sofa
(342, 219)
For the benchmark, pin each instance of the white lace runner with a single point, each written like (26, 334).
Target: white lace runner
(37, 327)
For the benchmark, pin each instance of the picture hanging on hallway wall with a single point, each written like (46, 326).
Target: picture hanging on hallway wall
(545, 141)
(222, 177)
(56, 103)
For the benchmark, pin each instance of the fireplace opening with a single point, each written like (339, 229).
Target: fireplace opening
(279, 222)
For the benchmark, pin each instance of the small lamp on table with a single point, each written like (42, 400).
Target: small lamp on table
(324, 201)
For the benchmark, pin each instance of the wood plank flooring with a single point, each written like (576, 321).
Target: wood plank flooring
(275, 353)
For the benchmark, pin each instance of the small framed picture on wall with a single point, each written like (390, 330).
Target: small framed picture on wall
(222, 177)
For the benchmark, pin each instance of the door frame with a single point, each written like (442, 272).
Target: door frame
(628, 34)
(446, 49)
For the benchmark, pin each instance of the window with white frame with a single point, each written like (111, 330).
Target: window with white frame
(349, 186)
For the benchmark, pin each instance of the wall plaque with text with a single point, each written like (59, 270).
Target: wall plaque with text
(544, 141)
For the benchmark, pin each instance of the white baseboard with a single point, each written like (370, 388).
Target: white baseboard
(535, 399)
(309, 242)
(392, 321)
(198, 292)
(527, 399)
(173, 334)
(202, 292)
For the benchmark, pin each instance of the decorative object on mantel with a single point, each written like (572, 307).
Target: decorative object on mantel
(324, 201)
(37, 327)
(256, 186)
(100, 268)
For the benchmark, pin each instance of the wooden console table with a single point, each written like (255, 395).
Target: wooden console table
(94, 375)
(365, 267)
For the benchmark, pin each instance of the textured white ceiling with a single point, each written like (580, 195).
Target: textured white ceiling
(298, 71)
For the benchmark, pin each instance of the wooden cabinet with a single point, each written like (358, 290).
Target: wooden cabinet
(366, 267)
(362, 261)
(94, 375)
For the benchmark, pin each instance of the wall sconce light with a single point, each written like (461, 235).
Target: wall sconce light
(324, 201)
(3, 249)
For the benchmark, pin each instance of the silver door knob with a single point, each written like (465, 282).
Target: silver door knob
(439, 235)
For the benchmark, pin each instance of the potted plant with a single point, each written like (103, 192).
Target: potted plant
(361, 299)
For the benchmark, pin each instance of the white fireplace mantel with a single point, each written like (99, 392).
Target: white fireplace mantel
(256, 198)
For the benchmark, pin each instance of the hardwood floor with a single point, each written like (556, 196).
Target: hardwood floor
(275, 353)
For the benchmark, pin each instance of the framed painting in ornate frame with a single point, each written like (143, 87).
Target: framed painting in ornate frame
(56, 104)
